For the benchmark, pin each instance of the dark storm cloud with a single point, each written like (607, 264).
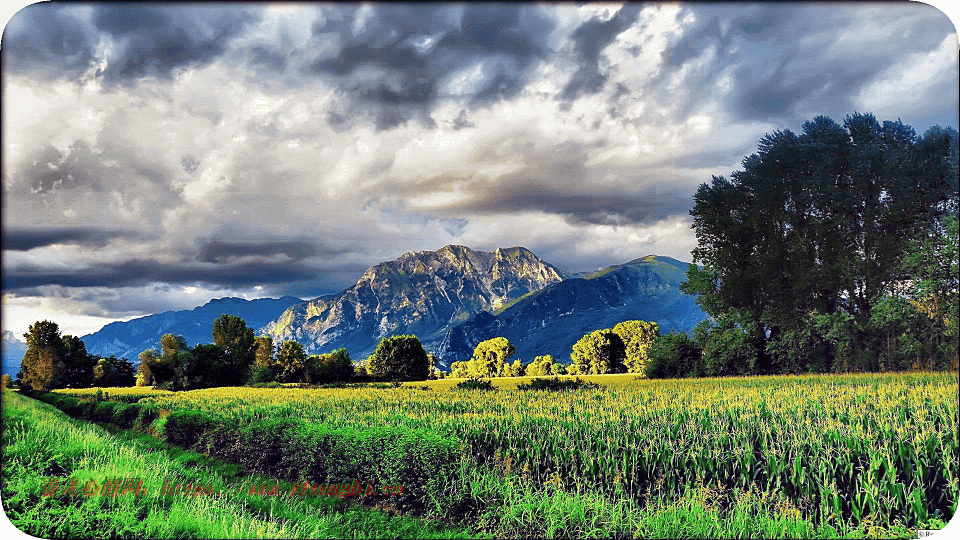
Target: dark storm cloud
(138, 272)
(790, 61)
(581, 207)
(27, 239)
(412, 48)
(590, 39)
(45, 38)
(51, 39)
(216, 251)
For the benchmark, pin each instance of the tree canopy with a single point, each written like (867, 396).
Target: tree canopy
(801, 245)
(399, 358)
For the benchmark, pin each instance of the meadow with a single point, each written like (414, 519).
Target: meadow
(787, 456)
(41, 444)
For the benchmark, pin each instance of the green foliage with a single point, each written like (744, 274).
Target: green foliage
(185, 427)
(543, 365)
(475, 384)
(261, 375)
(599, 352)
(48, 441)
(231, 333)
(557, 384)
(399, 358)
(673, 355)
(328, 368)
(78, 365)
(43, 362)
(489, 358)
(814, 228)
(113, 371)
(291, 360)
(637, 337)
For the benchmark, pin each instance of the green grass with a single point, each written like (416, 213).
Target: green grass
(696, 458)
(41, 443)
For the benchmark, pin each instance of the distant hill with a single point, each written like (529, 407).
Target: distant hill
(128, 339)
(423, 293)
(551, 320)
(13, 350)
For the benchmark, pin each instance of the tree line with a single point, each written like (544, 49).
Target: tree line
(236, 357)
(621, 349)
(53, 360)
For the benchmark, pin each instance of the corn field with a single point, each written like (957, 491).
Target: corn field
(854, 447)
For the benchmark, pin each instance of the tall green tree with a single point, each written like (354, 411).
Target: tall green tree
(637, 337)
(331, 367)
(231, 333)
(78, 364)
(490, 358)
(113, 372)
(43, 363)
(291, 359)
(399, 358)
(816, 225)
(597, 353)
(265, 367)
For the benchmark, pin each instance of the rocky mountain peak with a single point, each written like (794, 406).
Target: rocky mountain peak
(421, 292)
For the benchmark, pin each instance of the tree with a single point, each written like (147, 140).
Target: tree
(172, 369)
(209, 366)
(599, 352)
(933, 263)
(113, 372)
(265, 367)
(517, 369)
(637, 336)
(542, 365)
(231, 333)
(815, 225)
(460, 370)
(399, 358)
(489, 358)
(673, 355)
(77, 363)
(43, 362)
(292, 362)
(145, 369)
(331, 367)
(6, 381)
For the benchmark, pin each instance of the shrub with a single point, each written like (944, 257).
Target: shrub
(125, 415)
(475, 384)
(147, 413)
(103, 411)
(272, 384)
(673, 355)
(184, 427)
(557, 384)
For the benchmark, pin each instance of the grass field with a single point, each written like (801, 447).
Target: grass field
(40, 443)
(790, 456)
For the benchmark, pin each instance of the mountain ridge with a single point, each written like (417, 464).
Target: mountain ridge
(127, 339)
(551, 320)
(420, 292)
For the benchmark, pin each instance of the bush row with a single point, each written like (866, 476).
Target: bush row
(424, 463)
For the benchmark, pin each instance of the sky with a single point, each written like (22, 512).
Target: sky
(156, 156)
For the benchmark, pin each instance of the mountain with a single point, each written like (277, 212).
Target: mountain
(128, 339)
(423, 293)
(13, 350)
(551, 320)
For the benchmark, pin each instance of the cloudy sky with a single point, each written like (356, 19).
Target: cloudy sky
(158, 156)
